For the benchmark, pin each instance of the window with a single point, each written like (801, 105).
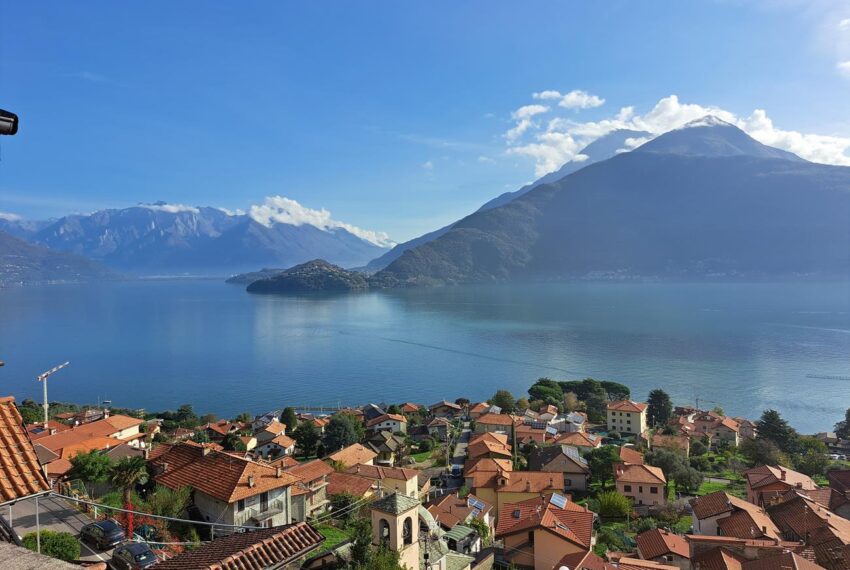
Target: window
(569, 482)
(384, 529)
(627, 488)
(653, 490)
(240, 505)
(531, 537)
(264, 502)
(408, 530)
(640, 489)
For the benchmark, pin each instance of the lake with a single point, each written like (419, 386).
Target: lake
(158, 344)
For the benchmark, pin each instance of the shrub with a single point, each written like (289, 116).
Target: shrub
(61, 545)
(613, 505)
(644, 524)
(426, 444)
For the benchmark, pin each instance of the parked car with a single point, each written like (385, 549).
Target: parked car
(103, 534)
(133, 556)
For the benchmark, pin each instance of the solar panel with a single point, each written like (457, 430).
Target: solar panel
(475, 503)
(551, 430)
(475, 513)
(559, 501)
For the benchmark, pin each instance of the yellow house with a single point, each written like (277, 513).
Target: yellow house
(643, 484)
(539, 532)
(390, 479)
(627, 417)
(503, 487)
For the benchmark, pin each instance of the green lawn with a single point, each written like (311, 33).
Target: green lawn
(708, 487)
(422, 456)
(333, 536)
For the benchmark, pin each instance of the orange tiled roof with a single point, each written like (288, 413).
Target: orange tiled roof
(450, 510)
(490, 436)
(627, 563)
(37, 431)
(657, 542)
(381, 472)
(220, 475)
(627, 406)
(348, 483)
(283, 440)
(255, 550)
(311, 470)
(409, 407)
(783, 561)
(631, 473)
(584, 560)
(495, 420)
(573, 523)
(103, 428)
(353, 454)
(484, 447)
(580, 439)
(525, 482)
(629, 455)
(767, 474)
(120, 422)
(20, 472)
(486, 465)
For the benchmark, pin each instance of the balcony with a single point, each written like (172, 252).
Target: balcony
(243, 518)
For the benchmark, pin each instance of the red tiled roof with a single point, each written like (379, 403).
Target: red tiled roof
(783, 561)
(484, 447)
(718, 558)
(495, 420)
(386, 417)
(486, 465)
(573, 523)
(381, 472)
(311, 470)
(627, 406)
(120, 422)
(37, 431)
(584, 561)
(657, 542)
(255, 550)
(629, 455)
(579, 439)
(20, 472)
(490, 436)
(450, 510)
(631, 473)
(712, 504)
(521, 481)
(347, 483)
(283, 441)
(627, 563)
(220, 475)
(767, 474)
(409, 407)
(745, 521)
(353, 454)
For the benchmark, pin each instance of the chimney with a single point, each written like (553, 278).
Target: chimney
(528, 485)
(250, 480)
(782, 474)
(278, 472)
(164, 467)
(764, 530)
(799, 484)
(205, 449)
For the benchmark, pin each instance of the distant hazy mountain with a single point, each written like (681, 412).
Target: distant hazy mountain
(159, 238)
(705, 200)
(22, 262)
(601, 149)
(19, 228)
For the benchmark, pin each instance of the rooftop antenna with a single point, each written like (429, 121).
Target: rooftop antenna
(43, 379)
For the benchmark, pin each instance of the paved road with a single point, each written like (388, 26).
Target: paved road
(54, 514)
(459, 456)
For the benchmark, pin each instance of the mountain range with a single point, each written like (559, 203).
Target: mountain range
(22, 262)
(602, 148)
(704, 200)
(165, 239)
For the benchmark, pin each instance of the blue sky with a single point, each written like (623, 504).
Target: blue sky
(392, 115)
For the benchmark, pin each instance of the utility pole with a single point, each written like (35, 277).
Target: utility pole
(43, 379)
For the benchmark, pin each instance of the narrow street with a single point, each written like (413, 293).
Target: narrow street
(54, 514)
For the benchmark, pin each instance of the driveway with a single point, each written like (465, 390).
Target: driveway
(54, 514)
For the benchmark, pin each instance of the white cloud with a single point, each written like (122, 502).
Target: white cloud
(528, 111)
(575, 99)
(428, 165)
(170, 208)
(844, 68)
(844, 24)
(278, 209)
(547, 95)
(9, 217)
(485, 159)
(236, 212)
(561, 139)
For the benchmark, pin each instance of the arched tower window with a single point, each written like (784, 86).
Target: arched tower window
(407, 531)
(384, 528)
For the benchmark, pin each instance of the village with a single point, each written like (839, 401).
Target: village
(575, 475)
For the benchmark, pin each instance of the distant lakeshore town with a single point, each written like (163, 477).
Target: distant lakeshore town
(573, 474)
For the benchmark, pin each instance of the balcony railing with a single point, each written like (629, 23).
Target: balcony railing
(275, 507)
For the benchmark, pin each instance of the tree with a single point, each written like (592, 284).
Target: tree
(394, 409)
(462, 402)
(549, 391)
(232, 442)
(688, 480)
(166, 502)
(660, 407)
(201, 436)
(361, 542)
(125, 475)
(698, 448)
(91, 467)
(763, 452)
(601, 463)
(522, 404)
(307, 436)
(244, 418)
(341, 503)
(342, 431)
(289, 418)
(616, 391)
(812, 458)
(505, 400)
(482, 529)
(772, 427)
(61, 545)
(571, 403)
(186, 416)
(613, 505)
(30, 412)
(842, 428)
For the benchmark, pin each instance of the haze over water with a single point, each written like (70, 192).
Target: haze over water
(160, 344)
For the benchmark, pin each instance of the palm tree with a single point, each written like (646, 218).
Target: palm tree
(126, 474)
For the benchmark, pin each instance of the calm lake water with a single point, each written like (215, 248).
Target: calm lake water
(160, 344)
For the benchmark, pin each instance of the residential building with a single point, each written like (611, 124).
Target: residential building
(537, 529)
(277, 447)
(526, 433)
(645, 485)
(445, 409)
(354, 485)
(478, 410)
(270, 431)
(547, 413)
(389, 479)
(389, 447)
(354, 454)
(394, 423)
(719, 514)
(499, 423)
(451, 510)
(439, 428)
(626, 417)
(39, 430)
(562, 459)
(827, 497)
(628, 563)
(20, 472)
(747, 429)
(372, 411)
(309, 495)
(664, 547)
(276, 547)
(409, 408)
(729, 553)
(802, 519)
(227, 489)
(491, 445)
(767, 482)
(839, 479)
(502, 487)
(630, 455)
(263, 420)
(216, 431)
